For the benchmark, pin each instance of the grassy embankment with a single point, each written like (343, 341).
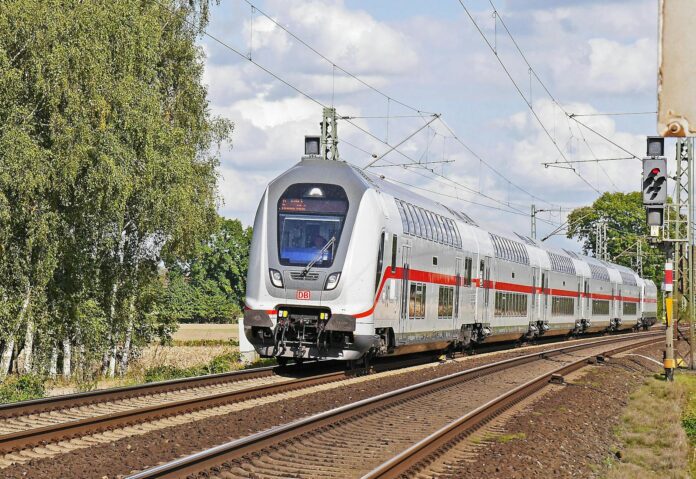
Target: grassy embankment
(658, 431)
(196, 349)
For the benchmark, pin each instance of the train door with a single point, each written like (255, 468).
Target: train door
(534, 308)
(405, 269)
(586, 313)
(544, 296)
(612, 312)
(457, 293)
(485, 278)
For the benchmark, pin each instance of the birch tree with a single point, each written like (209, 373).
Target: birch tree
(108, 157)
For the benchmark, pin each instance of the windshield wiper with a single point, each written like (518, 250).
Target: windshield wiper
(319, 255)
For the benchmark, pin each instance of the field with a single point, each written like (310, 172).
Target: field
(206, 332)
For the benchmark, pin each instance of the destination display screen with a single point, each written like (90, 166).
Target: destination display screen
(312, 205)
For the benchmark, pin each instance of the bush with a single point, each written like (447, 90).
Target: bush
(223, 363)
(165, 373)
(22, 388)
(219, 364)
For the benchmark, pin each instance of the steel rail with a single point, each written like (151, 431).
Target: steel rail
(65, 401)
(60, 431)
(435, 444)
(238, 448)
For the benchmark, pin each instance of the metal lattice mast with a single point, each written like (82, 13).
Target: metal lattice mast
(534, 224)
(601, 251)
(329, 135)
(678, 229)
(639, 258)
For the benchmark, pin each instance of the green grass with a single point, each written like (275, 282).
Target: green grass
(22, 388)
(505, 438)
(689, 417)
(205, 342)
(219, 364)
(654, 443)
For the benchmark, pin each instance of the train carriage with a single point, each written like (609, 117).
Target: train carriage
(347, 265)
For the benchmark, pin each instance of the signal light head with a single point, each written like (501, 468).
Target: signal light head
(655, 171)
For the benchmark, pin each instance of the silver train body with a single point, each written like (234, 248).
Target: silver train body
(345, 265)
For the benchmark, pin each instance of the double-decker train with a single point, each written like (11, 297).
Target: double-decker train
(346, 265)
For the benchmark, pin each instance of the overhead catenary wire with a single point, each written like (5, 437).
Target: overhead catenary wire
(338, 67)
(572, 116)
(385, 95)
(628, 113)
(524, 98)
(458, 198)
(368, 133)
(493, 169)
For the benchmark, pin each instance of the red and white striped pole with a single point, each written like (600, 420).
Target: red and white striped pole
(668, 289)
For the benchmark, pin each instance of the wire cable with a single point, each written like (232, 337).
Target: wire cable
(389, 100)
(517, 87)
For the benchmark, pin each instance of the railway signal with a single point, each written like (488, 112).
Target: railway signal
(655, 181)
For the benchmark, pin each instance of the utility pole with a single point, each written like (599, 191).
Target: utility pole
(601, 250)
(668, 360)
(679, 229)
(329, 135)
(639, 258)
(676, 220)
(534, 230)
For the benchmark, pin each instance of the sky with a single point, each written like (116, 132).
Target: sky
(592, 57)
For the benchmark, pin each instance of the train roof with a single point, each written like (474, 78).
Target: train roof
(352, 174)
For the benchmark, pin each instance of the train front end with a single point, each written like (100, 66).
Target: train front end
(305, 282)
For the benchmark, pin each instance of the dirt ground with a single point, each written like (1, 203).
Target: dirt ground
(568, 433)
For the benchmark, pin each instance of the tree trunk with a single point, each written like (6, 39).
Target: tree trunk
(27, 367)
(6, 358)
(112, 361)
(67, 358)
(53, 363)
(83, 360)
(105, 357)
(125, 355)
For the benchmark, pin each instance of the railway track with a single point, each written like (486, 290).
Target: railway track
(32, 423)
(353, 440)
(50, 420)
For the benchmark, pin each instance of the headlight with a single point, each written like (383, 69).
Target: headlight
(276, 278)
(332, 281)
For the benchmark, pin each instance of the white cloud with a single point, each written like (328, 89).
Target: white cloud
(622, 68)
(351, 38)
(439, 63)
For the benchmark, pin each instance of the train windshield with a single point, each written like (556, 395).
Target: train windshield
(309, 217)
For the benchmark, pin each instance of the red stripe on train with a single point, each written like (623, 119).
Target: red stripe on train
(448, 280)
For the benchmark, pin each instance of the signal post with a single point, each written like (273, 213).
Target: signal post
(668, 360)
(654, 187)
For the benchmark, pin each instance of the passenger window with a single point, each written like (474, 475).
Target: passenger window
(433, 226)
(445, 230)
(380, 261)
(416, 222)
(393, 255)
(456, 233)
(427, 229)
(409, 228)
(438, 227)
(404, 219)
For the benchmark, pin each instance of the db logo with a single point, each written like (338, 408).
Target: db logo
(303, 295)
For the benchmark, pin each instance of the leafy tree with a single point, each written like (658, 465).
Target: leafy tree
(626, 226)
(107, 166)
(209, 286)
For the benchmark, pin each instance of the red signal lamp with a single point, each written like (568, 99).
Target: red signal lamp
(655, 171)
